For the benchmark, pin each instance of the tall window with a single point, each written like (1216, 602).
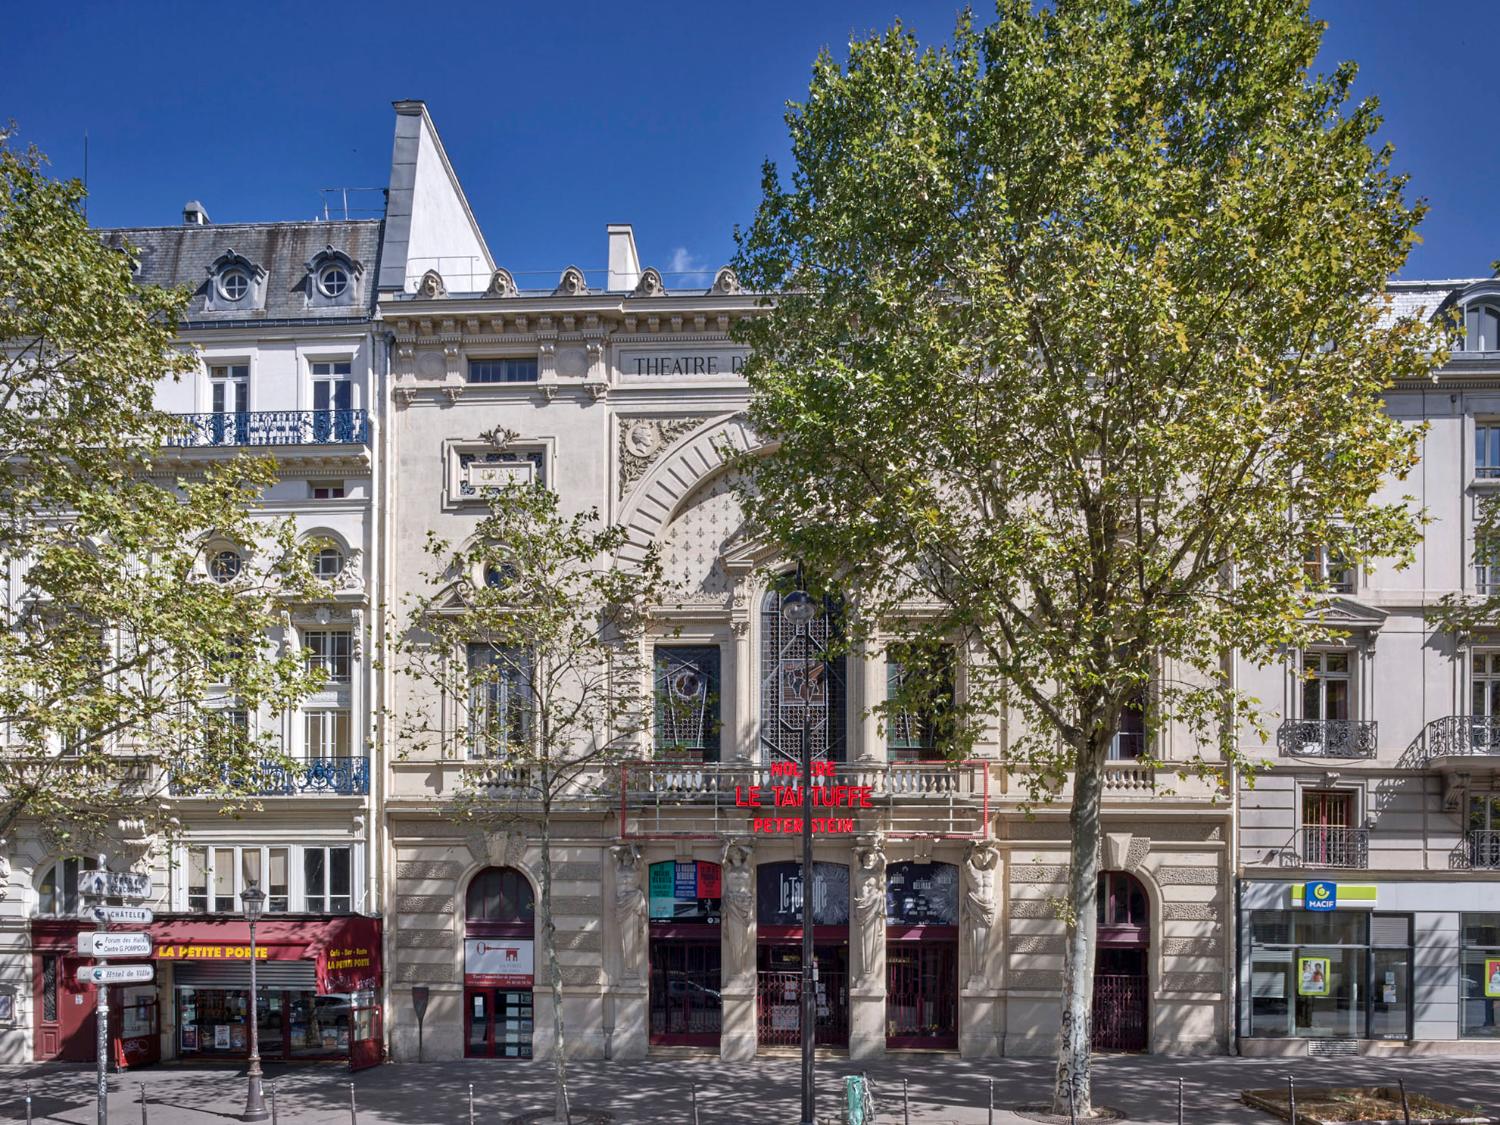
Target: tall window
(57, 893)
(327, 880)
(1487, 565)
(1325, 687)
(229, 392)
(502, 370)
(919, 694)
(687, 701)
(1129, 742)
(1479, 984)
(1328, 570)
(800, 683)
(499, 700)
(332, 401)
(329, 651)
(1328, 835)
(1482, 328)
(1487, 450)
(216, 876)
(326, 733)
(1484, 830)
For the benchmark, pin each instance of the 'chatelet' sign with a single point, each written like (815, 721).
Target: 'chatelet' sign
(681, 363)
(824, 796)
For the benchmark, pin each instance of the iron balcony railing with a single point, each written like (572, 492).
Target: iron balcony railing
(1483, 849)
(1462, 736)
(334, 777)
(1327, 846)
(275, 427)
(1328, 738)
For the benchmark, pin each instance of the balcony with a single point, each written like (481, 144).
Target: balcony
(1466, 750)
(1328, 738)
(1327, 846)
(666, 800)
(1482, 850)
(274, 428)
(332, 777)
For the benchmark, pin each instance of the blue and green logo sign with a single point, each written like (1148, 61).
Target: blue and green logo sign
(1321, 896)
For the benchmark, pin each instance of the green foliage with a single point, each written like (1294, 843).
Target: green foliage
(1077, 351)
(117, 654)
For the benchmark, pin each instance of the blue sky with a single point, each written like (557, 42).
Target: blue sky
(563, 117)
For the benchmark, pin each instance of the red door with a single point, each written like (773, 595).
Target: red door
(366, 1044)
(64, 1010)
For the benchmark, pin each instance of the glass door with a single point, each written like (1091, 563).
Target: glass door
(333, 402)
(230, 390)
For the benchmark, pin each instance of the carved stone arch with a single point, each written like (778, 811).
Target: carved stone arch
(678, 473)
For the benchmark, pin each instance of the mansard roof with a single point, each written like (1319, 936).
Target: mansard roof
(187, 255)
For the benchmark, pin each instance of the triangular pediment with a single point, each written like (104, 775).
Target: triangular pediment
(1346, 613)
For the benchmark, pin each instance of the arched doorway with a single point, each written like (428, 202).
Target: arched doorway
(499, 954)
(1122, 985)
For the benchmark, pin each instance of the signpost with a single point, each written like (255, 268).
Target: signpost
(116, 974)
(119, 915)
(126, 944)
(114, 884)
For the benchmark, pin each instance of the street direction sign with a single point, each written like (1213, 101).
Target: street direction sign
(123, 944)
(116, 974)
(115, 884)
(118, 915)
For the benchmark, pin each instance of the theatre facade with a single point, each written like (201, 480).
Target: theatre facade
(678, 899)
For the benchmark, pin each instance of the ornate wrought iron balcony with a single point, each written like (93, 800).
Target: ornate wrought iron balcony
(1463, 736)
(1328, 738)
(336, 777)
(1482, 849)
(1327, 846)
(275, 427)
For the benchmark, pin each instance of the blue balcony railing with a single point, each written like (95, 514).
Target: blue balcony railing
(335, 777)
(275, 427)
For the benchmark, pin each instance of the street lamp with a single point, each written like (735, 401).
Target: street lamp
(254, 900)
(798, 610)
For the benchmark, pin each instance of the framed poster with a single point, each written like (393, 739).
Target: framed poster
(1312, 976)
(190, 1037)
(1492, 977)
(221, 1037)
(7, 1006)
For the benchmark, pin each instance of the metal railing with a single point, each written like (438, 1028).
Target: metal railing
(1482, 847)
(1328, 738)
(1462, 736)
(1328, 846)
(686, 799)
(274, 427)
(338, 777)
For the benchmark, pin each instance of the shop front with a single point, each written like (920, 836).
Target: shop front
(686, 1007)
(921, 955)
(316, 983)
(779, 918)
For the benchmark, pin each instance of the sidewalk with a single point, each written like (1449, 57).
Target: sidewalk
(943, 1090)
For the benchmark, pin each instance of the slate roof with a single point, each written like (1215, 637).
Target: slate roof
(1427, 298)
(185, 255)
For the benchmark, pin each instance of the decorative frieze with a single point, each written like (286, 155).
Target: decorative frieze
(1191, 982)
(1190, 947)
(424, 904)
(1035, 980)
(427, 869)
(1188, 876)
(644, 440)
(1032, 908)
(1037, 943)
(1190, 912)
(1039, 873)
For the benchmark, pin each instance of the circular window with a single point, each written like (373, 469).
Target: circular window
(499, 575)
(224, 566)
(328, 563)
(333, 281)
(234, 284)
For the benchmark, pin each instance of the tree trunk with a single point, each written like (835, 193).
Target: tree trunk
(1075, 1032)
(554, 970)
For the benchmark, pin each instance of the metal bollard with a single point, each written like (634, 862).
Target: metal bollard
(273, 1104)
(905, 1104)
(1179, 1101)
(28, 1103)
(991, 1118)
(142, 1087)
(1405, 1109)
(1291, 1097)
(353, 1116)
(1072, 1118)
(471, 1103)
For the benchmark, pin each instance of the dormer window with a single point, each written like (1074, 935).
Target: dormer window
(333, 281)
(234, 284)
(1482, 327)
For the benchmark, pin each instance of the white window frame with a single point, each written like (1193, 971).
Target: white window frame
(296, 891)
(1350, 677)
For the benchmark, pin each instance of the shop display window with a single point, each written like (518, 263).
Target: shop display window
(1479, 976)
(292, 1024)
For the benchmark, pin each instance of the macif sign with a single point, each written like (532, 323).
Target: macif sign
(1321, 896)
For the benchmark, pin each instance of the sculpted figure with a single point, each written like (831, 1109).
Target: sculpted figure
(630, 909)
(869, 907)
(979, 901)
(739, 907)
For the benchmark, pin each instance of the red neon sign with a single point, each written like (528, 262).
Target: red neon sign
(792, 796)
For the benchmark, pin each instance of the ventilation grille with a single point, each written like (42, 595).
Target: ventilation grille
(1332, 1048)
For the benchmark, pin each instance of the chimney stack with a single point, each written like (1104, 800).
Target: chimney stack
(193, 214)
(624, 264)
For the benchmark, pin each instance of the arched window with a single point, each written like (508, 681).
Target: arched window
(1122, 901)
(57, 891)
(1482, 327)
(801, 677)
(500, 898)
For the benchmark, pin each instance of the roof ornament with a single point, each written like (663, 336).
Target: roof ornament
(571, 284)
(650, 284)
(726, 281)
(431, 286)
(502, 284)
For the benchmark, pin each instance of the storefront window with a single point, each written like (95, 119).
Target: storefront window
(1330, 975)
(292, 1023)
(228, 871)
(1479, 981)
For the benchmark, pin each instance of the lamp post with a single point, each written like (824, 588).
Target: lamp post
(254, 901)
(798, 609)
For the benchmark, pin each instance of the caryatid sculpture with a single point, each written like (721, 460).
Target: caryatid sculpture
(630, 909)
(979, 901)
